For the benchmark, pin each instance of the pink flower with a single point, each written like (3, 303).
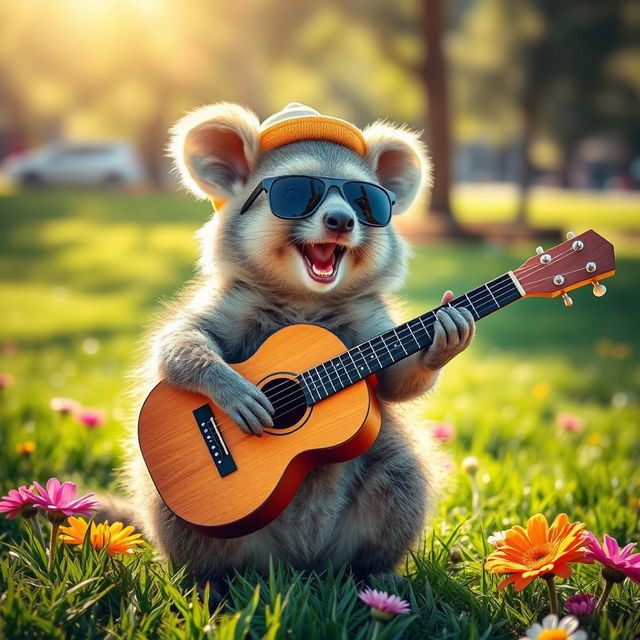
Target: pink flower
(384, 606)
(6, 380)
(59, 500)
(622, 561)
(17, 502)
(580, 605)
(10, 348)
(570, 422)
(90, 418)
(442, 431)
(64, 405)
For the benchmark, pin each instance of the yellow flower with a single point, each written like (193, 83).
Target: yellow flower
(594, 440)
(26, 448)
(541, 390)
(538, 550)
(621, 350)
(116, 537)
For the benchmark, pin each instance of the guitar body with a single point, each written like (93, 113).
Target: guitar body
(227, 483)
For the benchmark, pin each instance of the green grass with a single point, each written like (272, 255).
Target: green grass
(85, 271)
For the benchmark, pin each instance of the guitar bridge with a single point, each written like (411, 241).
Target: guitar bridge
(215, 442)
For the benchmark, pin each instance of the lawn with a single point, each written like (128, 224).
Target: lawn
(80, 276)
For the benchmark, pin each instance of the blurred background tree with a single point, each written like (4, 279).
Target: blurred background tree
(515, 91)
(556, 72)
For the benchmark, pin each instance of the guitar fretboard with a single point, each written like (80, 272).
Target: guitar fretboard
(390, 347)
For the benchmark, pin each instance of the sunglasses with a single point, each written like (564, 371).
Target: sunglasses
(295, 197)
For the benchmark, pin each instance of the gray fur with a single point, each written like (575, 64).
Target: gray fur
(367, 512)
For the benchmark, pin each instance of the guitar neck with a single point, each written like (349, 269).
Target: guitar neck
(390, 347)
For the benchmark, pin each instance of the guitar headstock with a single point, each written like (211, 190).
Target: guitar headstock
(580, 260)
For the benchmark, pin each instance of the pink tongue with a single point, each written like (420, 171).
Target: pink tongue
(322, 255)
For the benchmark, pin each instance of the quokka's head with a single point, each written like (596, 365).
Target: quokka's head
(223, 153)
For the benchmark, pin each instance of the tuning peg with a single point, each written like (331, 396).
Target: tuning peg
(570, 235)
(568, 302)
(599, 289)
(539, 250)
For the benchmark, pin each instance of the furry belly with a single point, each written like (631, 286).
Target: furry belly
(314, 515)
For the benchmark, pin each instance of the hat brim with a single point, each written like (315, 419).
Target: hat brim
(313, 128)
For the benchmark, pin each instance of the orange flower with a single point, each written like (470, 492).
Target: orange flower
(538, 551)
(26, 448)
(115, 537)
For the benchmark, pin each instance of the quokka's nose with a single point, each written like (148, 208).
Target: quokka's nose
(338, 221)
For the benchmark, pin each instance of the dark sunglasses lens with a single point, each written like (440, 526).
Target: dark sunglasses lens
(295, 196)
(371, 204)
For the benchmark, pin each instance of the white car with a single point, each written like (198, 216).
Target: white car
(108, 164)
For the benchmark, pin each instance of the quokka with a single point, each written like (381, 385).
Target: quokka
(258, 273)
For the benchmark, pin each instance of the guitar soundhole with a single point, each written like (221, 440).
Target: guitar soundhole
(287, 398)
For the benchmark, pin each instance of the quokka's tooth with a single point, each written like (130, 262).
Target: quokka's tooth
(319, 272)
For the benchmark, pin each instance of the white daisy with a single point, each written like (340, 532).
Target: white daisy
(554, 629)
(496, 538)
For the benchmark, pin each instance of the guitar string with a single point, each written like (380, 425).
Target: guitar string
(481, 299)
(475, 299)
(568, 273)
(327, 376)
(522, 270)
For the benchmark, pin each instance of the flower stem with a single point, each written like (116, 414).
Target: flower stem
(52, 547)
(475, 495)
(605, 594)
(553, 596)
(38, 531)
(376, 629)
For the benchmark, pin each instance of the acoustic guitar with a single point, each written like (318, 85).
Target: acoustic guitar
(227, 483)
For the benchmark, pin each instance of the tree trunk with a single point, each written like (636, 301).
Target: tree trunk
(433, 72)
(153, 140)
(524, 177)
(564, 173)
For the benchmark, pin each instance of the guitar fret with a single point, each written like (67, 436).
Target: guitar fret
(315, 370)
(416, 329)
(347, 369)
(374, 353)
(384, 342)
(324, 366)
(491, 294)
(400, 341)
(365, 356)
(425, 328)
(364, 360)
(408, 325)
(344, 370)
(314, 386)
(352, 360)
(472, 307)
(393, 345)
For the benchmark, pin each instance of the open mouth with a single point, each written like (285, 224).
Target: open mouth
(322, 260)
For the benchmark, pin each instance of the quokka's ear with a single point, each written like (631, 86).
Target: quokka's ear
(399, 160)
(215, 148)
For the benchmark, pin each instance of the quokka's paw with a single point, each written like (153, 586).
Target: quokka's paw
(454, 329)
(241, 400)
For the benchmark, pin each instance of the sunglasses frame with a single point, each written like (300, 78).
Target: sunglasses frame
(266, 183)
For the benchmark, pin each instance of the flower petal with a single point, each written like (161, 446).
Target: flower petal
(611, 544)
(538, 529)
(569, 624)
